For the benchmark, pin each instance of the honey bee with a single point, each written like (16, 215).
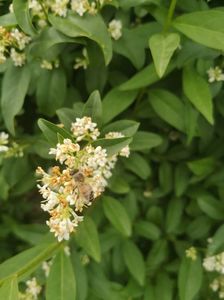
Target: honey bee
(84, 188)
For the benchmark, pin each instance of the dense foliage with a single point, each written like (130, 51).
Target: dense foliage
(158, 67)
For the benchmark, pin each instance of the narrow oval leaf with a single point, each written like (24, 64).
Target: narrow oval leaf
(9, 289)
(145, 140)
(117, 215)
(8, 20)
(168, 107)
(162, 48)
(211, 207)
(61, 284)
(134, 261)
(138, 165)
(189, 278)
(115, 102)
(14, 87)
(145, 77)
(127, 127)
(93, 107)
(148, 230)
(51, 91)
(204, 27)
(92, 27)
(51, 131)
(87, 237)
(21, 11)
(27, 261)
(197, 90)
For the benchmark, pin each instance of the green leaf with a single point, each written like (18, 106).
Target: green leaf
(174, 214)
(145, 140)
(118, 185)
(27, 261)
(204, 27)
(211, 207)
(217, 244)
(61, 284)
(93, 107)
(138, 165)
(80, 275)
(14, 88)
(113, 146)
(21, 11)
(8, 20)
(147, 230)
(164, 287)
(117, 215)
(46, 39)
(145, 77)
(4, 187)
(126, 127)
(197, 90)
(162, 48)
(169, 108)
(203, 166)
(51, 130)
(181, 179)
(189, 278)
(115, 102)
(67, 116)
(51, 91)
(134, 261)
(87, 237)
(92, 27)
(9, 289)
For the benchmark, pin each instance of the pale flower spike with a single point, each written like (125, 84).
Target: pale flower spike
(82, 178)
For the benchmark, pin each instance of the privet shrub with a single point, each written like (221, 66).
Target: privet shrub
(131, 186)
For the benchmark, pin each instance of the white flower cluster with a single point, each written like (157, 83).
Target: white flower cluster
(82, 62)
(8, 149)
(13, 42)
(32, 291)
(61, 7)
(4, 140)
(215, 74)
(82, 178)
(115, 29)
(49, 65)
(214, 263)
(217, 285)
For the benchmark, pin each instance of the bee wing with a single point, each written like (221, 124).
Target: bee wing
(87, 192)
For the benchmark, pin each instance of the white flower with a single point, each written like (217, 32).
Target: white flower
(209, 263)
(45, 64)
(33, 288)
(115, 29)
(46, 266)
(35, 7)
(82, 62)
(80, 6)
(17, 58)
(11, 8)
(215, 74)
(63, 151)
(3, 148)
(59, 7)
(4, 138)
(21, 39)
(67, 250)
(62, 228)
(84, 128)
(215, 285)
